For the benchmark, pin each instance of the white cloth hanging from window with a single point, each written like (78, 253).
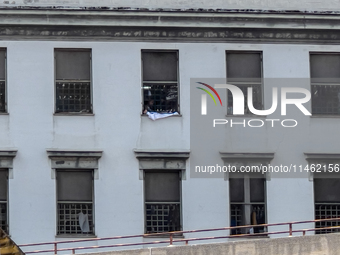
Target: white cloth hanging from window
(156, 115)
(84, 222)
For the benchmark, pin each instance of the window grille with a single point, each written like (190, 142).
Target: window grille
(73, 97)
(327, 211)
(162, 217)
(3, 216)
(68, 217)
(4, 200)
(326, 99)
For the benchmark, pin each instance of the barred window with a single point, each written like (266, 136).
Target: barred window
(160, 81)
(75, 202)
(3, 107)
(73, 81)
(247, 203)
(4, 200)
(325, 83)
(327, 203)
(244, 70)
(162, 202)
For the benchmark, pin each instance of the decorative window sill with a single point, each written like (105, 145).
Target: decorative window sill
(81, 236)
(73, 114)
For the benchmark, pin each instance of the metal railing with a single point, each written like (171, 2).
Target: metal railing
(171, 236)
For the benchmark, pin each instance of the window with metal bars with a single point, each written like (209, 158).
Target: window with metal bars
(75, 202)
(327, 203)
(160, 86)
(244, 70)
(3, 106)
(162, 201)
(73, 81)
(325, 83)
(4, 200)
(247, 203)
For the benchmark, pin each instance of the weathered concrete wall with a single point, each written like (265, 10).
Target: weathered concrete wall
(303, 245)
(330, 5)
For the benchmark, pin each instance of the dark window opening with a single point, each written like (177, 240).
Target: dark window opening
(3, 80)
(247, 204)
(73, 81)
(4, 200)
(160, 81)
(162, 202)
(75, 202)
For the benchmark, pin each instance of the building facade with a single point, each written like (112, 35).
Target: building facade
(79, 156)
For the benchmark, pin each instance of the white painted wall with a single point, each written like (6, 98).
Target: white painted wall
(330, 5)
(117, 128)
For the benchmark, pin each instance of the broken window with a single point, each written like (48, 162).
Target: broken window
(162, 201)
(4, 200)
(75, 202)
(244, 70)
(160, 81)
(325, 83)
(247, 203)
(3, 80)
(73, 81)
(327, 203)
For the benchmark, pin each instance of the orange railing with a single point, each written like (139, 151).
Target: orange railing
(171, 235)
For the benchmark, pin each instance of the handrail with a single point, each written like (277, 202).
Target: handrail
(173, 234)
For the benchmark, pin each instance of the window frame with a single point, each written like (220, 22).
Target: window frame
(93, 234)
(319, 83)
(179, 172)
(247, 204)
(261, 84)
(7, 199)
(142, 78)
(90, 81)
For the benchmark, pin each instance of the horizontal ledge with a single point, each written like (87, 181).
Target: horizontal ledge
(311, 156)
(73, 114)
(74, 153)
(141, 153)
(81, 236)
(8, 152)
(247, 155)
(183, 19)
